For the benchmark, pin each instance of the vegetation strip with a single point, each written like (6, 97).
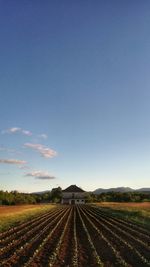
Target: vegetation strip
(55, 253)
(8, 232)
(27, 228)
(75, 236)
(17, 254)
(115, 252)
(127, 227)
(98, 260)
(28, 234)
(141, 257)
(75, 252)
(124, 221)
(28, 264)
(107, 221)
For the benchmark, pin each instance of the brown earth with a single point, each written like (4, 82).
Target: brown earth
(49, 240)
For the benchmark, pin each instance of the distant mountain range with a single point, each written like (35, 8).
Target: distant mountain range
(120, 189)
(42, 192)
(102, 190)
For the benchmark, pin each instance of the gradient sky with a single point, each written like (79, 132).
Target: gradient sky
(74, 94)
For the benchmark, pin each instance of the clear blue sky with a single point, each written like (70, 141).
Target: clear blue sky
(74, 94)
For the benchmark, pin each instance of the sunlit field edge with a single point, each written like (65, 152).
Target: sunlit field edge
(137, 212)
(13, 215)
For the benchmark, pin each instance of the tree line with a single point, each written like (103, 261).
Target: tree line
(17, 198)
(55, 196)
(119, 197)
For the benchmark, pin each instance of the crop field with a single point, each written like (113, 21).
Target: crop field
(11, 215)
(75, 236)
(138, 212)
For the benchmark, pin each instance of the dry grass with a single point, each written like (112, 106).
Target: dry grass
(126, 205)
(137, 212)
(8, 210)
(13, 215)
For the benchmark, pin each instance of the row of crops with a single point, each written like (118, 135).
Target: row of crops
(75, 236)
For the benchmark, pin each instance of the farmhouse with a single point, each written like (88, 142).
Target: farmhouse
(73, 195)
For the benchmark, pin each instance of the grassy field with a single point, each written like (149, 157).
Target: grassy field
(12, 215)
(137, 212)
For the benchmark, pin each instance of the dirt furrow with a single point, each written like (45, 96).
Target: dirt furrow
(25, 251)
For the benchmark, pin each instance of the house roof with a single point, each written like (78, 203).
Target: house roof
(73, 188)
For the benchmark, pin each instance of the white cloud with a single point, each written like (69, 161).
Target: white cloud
(12, 161)
(40, 175)
(14, 130)
(43, 150)
(25, 132)
(44, 136)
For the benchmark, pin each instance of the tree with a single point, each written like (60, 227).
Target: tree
(56, 194)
